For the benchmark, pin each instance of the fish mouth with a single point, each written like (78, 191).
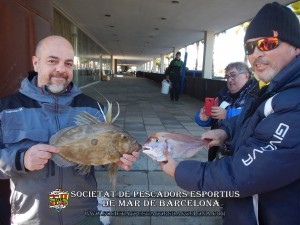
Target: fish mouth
(146, 148)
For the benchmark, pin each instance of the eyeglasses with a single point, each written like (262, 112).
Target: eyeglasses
(233, 75)
(264, 44)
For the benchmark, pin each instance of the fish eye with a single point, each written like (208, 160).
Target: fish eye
(123, 136)
(156, 140)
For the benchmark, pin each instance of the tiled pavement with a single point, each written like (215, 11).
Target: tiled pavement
(144, 111)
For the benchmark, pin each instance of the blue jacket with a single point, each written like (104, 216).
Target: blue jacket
(29, 117)
(266, 161)
(236, 103)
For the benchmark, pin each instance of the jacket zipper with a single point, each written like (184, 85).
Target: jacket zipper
(60, 171)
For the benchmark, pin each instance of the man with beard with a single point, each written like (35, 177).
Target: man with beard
(46, 102)
(264, 167)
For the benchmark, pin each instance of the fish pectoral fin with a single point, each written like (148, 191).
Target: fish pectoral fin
(170, 146)
(60, 161)
(82, 169)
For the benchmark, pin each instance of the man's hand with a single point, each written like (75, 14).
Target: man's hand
(215, 137)
(127, 160)
(170, 165)
(218, 113)
(38, 155)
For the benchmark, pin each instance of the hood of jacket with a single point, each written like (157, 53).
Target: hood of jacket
(41, 94)
(288, 77)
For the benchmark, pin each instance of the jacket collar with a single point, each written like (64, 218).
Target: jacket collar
(30, 89)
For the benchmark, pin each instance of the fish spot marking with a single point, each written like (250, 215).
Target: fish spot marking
(94, 141)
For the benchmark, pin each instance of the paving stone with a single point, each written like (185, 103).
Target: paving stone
(143, 112)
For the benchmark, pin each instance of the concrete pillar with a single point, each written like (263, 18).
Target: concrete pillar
(209, 39)
(100, 66)
(76, 59)
(162, 63)
(154, 65)
(115, 66)
(197, 52)
(112, 66)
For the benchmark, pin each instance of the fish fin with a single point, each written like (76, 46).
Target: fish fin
(102, 112)
(108, 116)
(114, 119)
(170, 145)
(82, 169)
(60, 161)
(86, 118)
(109, 112)
(54, 138)
(112, 172)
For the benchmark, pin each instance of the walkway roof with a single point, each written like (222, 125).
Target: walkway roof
(140, 33)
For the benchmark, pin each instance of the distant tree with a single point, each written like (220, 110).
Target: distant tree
(169, 57)
(296, 8)
(157, 62)
(244, 26)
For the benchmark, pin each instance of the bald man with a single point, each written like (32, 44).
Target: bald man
(43, 105)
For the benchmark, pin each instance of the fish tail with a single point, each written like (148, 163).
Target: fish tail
(112, 172)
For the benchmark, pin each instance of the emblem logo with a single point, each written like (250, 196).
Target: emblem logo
(58, 199)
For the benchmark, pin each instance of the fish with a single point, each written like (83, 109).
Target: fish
(180, 146)
(92, 143)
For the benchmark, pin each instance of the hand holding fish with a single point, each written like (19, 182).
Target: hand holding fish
(215, 137)
(169, 165)
(38, 155)
(127, 160)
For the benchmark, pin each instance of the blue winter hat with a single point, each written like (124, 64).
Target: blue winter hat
(275, 20)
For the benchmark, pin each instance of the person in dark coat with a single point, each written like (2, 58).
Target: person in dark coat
(263, 171)
(174, 72)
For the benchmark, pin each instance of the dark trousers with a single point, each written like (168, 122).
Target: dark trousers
(4, 202)
(175, 89)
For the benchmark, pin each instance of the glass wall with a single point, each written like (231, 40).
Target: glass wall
(90, 59)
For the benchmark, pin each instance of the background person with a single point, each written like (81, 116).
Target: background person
(29, 118)
(264, 167)
(231, 100)
(174, 72)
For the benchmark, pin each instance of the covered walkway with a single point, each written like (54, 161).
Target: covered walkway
(144, 111)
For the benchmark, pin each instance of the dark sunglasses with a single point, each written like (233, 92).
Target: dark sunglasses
(264, 44)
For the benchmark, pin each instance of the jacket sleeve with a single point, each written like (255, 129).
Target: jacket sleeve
(11, 162)
(202, 123)
(229, 126)
(231, 112)
(11, 159)
(267, 160)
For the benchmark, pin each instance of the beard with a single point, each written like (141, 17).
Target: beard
(268, 74)
(57, 88)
